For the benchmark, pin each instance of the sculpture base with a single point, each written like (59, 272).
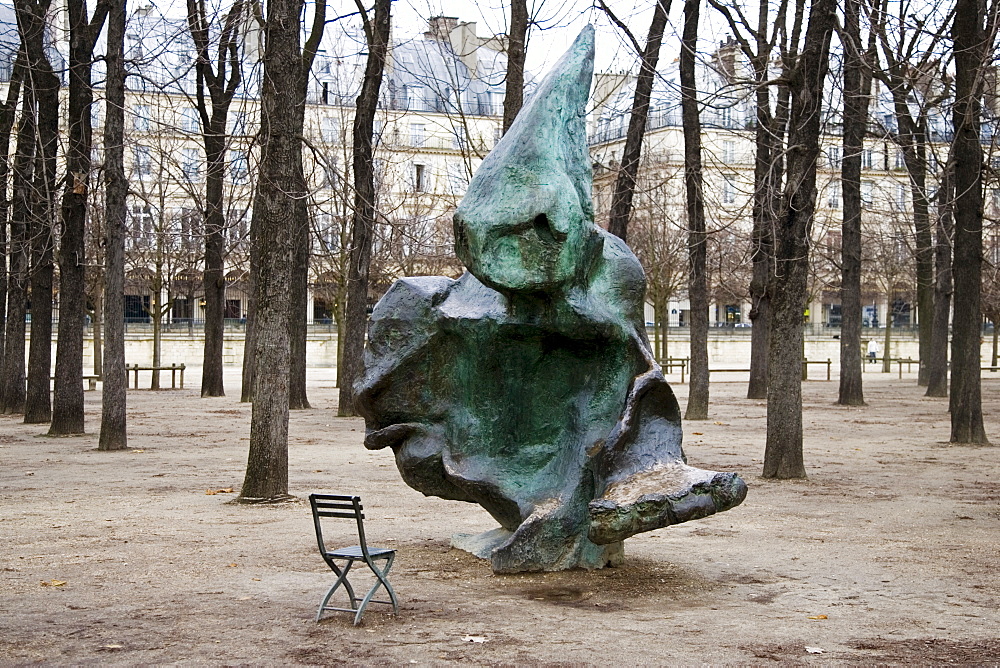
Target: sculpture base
(500, 547)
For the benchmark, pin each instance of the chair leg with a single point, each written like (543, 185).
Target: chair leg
(382, 579)
(341, 579)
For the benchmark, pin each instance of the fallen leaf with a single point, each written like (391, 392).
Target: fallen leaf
(255, 579)
(818, 617)
(697, 433)
(53, 583)
(210, 492)
(136, 450)
(112, 646)
(232, 565)
(224, 490)
(815, 650)
(474, 638)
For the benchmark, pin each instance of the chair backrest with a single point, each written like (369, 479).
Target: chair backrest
(341, 506)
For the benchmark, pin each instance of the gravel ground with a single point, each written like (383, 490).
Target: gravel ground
(888, 554)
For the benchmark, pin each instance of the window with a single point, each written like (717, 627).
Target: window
(901, 196)
(420, 178)
(728, 152)
(191, 163)
(833, 195)
(833, 156)
(330, 129)
(867, 193)
(141, 222)
(190, 122)
(458, 140)
(415, 98)
(726, 117)
(239, 170)
(900, 160)
(728, 188)
(189, 224)
(417, 135)
(458, 178)
(143, 161)
(140, 118)
(867, 159)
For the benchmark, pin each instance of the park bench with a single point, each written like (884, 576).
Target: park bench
(682, 362)
(349, 507)
(173, 369)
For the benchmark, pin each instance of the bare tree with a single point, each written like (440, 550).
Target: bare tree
(67, 399)
(276, 215)
(621, 200)
(363, 222)
(759, 42)
(7, 116)
(697, 407)
(970, 40)
(788, 287)
(911, 76)
(857, 93)
(114, 435)
(17, 287)
(220, 76)
(516, 45)
(32, 18)
(937, 363)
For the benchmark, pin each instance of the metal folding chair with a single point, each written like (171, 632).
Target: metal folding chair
(349, 507)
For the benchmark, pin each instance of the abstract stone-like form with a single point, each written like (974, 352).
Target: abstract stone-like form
(527, 385)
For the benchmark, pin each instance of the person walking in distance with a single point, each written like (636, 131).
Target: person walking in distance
(872, 351)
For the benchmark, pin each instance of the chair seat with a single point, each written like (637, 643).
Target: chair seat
(354, 552)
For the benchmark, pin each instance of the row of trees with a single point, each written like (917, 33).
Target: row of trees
(788, 47)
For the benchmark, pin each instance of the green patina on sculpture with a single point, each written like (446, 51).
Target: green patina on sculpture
(527, 385)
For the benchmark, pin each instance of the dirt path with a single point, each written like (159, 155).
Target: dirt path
(889, 553)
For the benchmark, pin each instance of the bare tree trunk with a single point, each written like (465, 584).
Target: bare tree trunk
(114, 435)
(967, 156)
(7, 115)
(621, 198)
(17, 289)
(277, 213)
(213, 278)
(32, 23)
(363, 222)
(937, 363)
(297, 326)
(788, 287)
(67, 399)
(697, 407)
(517, 34)
(249, 336)
(887, 342)
(857, 88)
(98, 324)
